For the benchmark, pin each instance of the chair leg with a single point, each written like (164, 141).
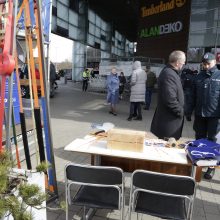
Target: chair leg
(130, 205)
(67, 211)
(67, 205)
(192, 206)
(122, 208)
(90, 213)
(139, 216)
(84, 213)
(122, 213)
(191, 212)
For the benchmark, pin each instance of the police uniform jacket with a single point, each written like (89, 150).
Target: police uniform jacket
(206, 94)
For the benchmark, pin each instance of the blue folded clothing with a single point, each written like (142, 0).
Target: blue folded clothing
(203, 149)
(202, 143)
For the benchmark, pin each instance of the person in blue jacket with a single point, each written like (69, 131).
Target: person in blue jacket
(113, 91)
(206, 103)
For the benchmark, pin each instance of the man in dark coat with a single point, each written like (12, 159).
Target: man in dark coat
(150, 82)
(206, 103)
(168, 117)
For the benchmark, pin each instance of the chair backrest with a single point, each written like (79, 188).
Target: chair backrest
(166, 183)
(94, 174)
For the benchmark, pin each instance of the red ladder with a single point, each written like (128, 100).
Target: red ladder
(7, 62)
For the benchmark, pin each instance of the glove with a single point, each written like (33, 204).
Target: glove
(188, 118)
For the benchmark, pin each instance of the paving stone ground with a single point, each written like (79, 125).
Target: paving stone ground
(73, 111)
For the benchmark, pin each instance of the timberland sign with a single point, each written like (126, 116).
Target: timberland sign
(161, 7)
(163, 26)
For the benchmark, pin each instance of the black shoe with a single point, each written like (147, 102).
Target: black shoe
(134, 115)
(114, 113)
(138, 118)
(146, 108)
(209, 173)
(129, 118)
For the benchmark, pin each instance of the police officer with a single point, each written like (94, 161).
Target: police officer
(85, 76)
(206, 103)
(187, 78)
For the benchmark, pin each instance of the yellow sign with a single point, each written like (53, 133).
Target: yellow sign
(180, 3)
(161, 7)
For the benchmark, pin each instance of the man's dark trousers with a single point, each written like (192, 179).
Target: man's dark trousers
(206, 127)
(135, 109)
(148, 95)
(85, 84)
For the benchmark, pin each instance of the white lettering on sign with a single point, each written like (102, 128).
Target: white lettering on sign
(13, 99)
(161, 29)
(171, 27)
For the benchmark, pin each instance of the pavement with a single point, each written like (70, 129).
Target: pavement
(73, 111)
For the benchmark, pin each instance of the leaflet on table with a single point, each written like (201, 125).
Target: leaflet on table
(155, 142)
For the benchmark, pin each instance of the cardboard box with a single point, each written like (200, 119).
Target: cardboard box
(130, 140)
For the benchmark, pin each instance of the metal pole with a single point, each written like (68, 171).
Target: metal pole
(46, 94)
(10, 84)
(48, 53)
(217, 27)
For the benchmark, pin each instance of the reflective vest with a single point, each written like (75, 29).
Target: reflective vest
(86, 74)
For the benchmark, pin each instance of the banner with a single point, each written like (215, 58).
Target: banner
(126, 67)
(15, 98)
(46, 17)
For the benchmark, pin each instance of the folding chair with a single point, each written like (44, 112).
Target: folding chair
(161, 195)
(99, 187)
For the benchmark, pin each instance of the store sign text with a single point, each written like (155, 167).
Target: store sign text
(161, 29)
(163, 6)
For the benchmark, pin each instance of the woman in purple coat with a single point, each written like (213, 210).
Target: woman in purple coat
(113, 91)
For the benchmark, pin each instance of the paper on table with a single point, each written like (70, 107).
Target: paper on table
(105, 126)
(79, 142)
(169, 154)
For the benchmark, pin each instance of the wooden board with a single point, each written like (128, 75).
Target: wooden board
(122, 139)
(25, 82)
